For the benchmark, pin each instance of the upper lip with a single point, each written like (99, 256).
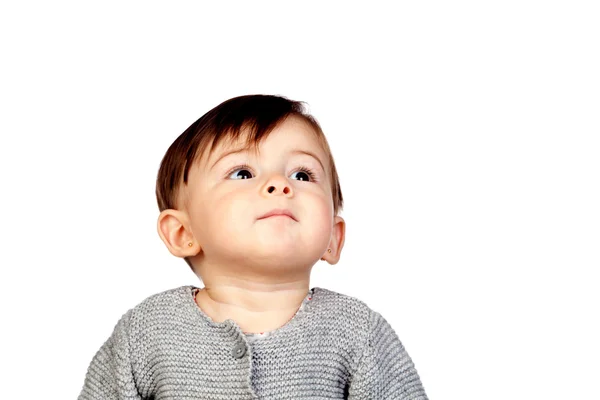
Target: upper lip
(279, 211)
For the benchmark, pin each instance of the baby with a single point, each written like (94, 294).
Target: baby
(249, 197)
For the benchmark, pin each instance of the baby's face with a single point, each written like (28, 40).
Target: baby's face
(229, 192)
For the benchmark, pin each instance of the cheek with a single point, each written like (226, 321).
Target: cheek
(320, 202)
(225, 216)
(318, 215)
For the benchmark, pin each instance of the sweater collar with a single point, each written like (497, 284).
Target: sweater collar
(230, 324)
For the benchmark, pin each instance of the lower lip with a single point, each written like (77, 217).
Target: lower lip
(278, 215)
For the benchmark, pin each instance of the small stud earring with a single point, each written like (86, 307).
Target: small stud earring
(190, 244)
(329, 250)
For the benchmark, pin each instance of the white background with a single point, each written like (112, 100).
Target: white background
(466, 136)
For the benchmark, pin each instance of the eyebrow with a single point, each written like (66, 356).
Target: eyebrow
(226, 154)
(308, 153)
(239, 150)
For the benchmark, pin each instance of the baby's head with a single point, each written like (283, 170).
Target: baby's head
(247, 157)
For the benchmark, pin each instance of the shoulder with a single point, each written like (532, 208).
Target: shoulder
(356, 313)
(163, 307)
(155, 313)
(166, 298)
(342, 302)
(333, 297)
(344, 310)
(350, 321)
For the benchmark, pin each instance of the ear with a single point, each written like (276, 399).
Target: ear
(337, 241)
(173, 229)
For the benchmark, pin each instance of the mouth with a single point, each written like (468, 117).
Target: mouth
(279, 212)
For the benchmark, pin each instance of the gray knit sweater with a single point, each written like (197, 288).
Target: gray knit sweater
(335, 347)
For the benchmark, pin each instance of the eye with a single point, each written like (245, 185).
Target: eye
(244, 172)
(240, 172)
(305, 174)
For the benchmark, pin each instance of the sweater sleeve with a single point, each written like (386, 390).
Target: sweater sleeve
(385, 370)
(109, 375)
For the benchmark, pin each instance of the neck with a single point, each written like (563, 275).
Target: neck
(255, 307)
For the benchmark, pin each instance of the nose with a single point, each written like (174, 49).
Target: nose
(278, 185)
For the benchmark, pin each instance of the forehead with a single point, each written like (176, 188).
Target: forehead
(292, 133)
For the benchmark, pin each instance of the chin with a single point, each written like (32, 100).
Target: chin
(282, 255)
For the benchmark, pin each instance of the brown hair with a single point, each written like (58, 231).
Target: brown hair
(258, 114)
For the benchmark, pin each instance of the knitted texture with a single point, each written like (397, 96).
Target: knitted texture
(336, 347)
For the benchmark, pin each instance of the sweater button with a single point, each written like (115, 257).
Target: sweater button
(239, 350)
